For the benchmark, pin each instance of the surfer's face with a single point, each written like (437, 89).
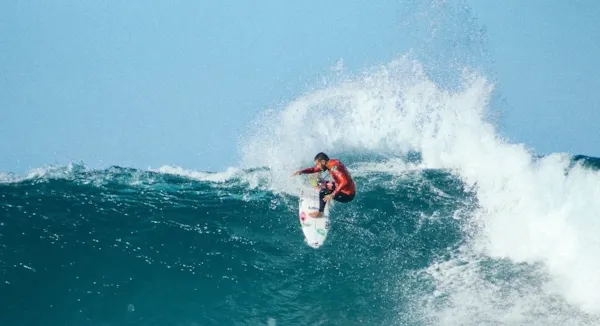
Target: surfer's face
(322, 164)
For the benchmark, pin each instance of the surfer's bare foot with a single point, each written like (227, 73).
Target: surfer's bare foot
(315, 214)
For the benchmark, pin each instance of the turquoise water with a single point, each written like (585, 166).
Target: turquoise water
(122, 246)
(128, 247)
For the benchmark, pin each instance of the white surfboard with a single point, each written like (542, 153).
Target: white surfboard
(315, 229)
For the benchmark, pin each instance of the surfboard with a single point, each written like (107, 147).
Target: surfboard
(315, 229)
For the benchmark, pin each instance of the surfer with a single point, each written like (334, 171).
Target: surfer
(342, 187)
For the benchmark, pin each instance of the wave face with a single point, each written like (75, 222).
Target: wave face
(122, 246)
(452, 224)
(175, 247)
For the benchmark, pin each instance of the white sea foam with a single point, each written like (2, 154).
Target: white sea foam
(50, 171)
(531, 210)
(197, 175)
(252, 179)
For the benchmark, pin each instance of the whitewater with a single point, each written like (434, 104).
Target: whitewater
(533, 210)
(452, 223)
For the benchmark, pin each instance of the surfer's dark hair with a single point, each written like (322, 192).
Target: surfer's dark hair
(321, 156)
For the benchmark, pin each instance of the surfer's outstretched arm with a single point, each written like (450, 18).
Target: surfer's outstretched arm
(314, 169)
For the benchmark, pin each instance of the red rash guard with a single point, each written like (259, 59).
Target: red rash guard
(339, 173)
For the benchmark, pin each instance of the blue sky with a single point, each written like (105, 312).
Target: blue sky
(132, 84)
(546, 63)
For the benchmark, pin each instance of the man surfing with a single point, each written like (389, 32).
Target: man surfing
(342, 188)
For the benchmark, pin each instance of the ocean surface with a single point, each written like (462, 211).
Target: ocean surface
(122, 246)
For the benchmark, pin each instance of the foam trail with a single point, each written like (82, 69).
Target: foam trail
(218, 177)
(531, 210)
(252, 179)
